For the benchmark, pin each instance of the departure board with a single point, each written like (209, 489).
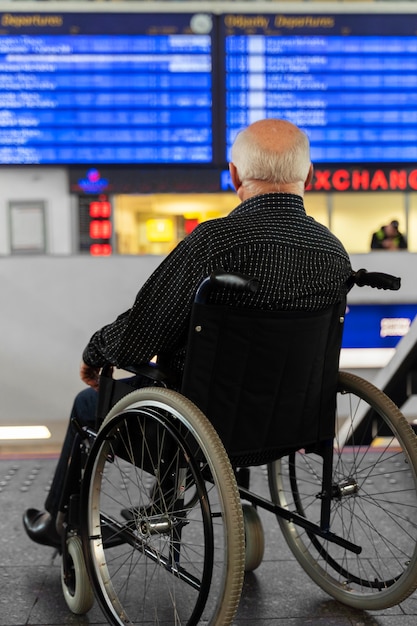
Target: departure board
(105, 88)
(350, 81)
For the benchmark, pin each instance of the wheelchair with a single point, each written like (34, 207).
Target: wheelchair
(159, 534)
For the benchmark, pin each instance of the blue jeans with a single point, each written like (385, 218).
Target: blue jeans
(84, 410)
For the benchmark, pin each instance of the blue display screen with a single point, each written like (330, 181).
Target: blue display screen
(350, 81)
(160, 88)
(377, 325)
(105, 88)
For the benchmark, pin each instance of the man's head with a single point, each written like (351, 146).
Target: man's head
(271, 155)
(391, 230)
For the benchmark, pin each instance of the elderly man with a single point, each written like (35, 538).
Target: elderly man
(300, 265)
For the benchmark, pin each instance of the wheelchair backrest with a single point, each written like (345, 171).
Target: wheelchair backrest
(266, 379)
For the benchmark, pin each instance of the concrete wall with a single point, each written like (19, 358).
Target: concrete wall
(50, 306)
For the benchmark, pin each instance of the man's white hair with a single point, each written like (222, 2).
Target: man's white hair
(281, 159)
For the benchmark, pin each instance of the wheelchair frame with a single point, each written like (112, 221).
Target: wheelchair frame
(161, 536)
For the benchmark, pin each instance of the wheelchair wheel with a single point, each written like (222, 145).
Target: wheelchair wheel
(374, 501)
(76, 586)
(162, 517)
(254, 538)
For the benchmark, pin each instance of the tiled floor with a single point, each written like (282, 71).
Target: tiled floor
(277, 593)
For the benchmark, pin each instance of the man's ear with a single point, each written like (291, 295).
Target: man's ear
(234, 176)
(309, 178)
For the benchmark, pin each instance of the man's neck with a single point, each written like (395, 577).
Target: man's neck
(258, 187)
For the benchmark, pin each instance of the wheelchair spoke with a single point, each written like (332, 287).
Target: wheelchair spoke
(373, 503)
(157, 534)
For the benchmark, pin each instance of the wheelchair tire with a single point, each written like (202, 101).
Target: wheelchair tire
(162, 517)
(254, 538)
(76, 585)
(374, 501)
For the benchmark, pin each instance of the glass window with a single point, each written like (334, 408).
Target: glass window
(154, 224)
(356, 216)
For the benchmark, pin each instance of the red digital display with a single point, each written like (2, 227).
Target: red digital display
(100, 249)
(100, 229)
(100, 209)
(95, 225)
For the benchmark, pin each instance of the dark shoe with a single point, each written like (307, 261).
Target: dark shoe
(40, 527)
(161, 500)
(134, 513)
(128, 514)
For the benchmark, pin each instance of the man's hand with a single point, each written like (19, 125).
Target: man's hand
(90, 375)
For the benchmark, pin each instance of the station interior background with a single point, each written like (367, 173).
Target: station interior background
(54, 297)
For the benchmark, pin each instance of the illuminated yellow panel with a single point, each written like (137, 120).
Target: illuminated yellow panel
(412, 223)
(159, 230)
(316, 207)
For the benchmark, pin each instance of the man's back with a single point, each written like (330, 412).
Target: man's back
(299, 263)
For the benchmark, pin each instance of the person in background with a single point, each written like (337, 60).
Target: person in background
(388, 238)
(299, 263)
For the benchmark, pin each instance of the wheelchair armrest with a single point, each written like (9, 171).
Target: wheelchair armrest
(150, 370)
(113, 389)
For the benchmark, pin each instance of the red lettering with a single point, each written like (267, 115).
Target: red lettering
(397, 179)
(360, 179)
(412, 179)
(364, 180)
(379, 181)
(322, 180)
(341, 180)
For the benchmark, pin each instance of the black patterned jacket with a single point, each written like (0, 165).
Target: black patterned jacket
(299, 263)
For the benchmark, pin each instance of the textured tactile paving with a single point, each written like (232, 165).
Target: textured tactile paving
(278, 593)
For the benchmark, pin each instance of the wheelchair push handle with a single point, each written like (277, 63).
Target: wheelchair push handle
(239, 282)
(363, 278)
(220, 279)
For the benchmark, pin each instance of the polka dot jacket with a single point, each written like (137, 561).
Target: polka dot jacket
(299, 263)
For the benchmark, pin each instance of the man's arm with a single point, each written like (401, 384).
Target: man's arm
(158, 319)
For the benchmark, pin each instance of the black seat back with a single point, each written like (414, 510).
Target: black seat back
(266, 380)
